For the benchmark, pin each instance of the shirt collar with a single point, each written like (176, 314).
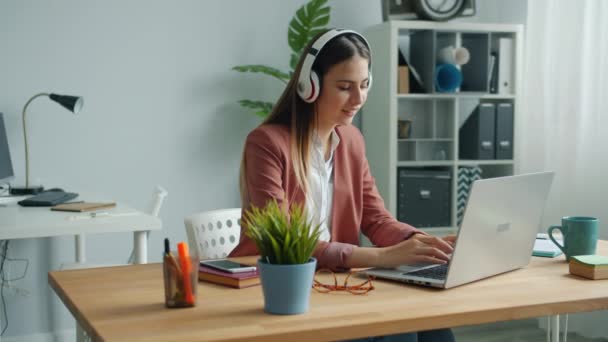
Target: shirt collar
(318, 144)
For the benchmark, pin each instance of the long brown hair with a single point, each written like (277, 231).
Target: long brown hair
(302, 117)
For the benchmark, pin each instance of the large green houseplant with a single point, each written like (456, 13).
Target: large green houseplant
(309, 20)
(286, 242)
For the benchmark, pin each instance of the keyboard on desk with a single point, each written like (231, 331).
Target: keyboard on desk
(439, 272)
(48, 199)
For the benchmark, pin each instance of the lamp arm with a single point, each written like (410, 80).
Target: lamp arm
(27, 159)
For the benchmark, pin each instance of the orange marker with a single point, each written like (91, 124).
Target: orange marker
(184, 259)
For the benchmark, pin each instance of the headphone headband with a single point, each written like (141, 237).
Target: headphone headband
(308, 82)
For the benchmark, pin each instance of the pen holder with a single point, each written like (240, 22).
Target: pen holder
(181, 280)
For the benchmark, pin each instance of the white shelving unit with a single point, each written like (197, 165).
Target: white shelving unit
(435, 117)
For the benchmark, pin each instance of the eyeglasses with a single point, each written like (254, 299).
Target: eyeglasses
(358, 289)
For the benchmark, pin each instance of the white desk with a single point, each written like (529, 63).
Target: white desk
(18, 222)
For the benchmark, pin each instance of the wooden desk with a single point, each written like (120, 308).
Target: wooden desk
(126, 304)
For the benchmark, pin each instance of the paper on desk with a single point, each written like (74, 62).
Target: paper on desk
(546, 248)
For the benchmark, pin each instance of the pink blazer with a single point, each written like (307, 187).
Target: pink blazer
(357, 205)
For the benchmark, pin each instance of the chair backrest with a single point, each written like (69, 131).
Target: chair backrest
(214, 233)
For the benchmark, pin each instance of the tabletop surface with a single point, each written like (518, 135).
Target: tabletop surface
(17, 222)
(126, 304)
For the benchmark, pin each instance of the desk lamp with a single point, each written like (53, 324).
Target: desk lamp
(71, 103)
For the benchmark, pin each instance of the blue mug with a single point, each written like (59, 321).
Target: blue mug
(580, 235)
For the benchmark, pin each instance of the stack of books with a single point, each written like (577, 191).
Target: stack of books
(589, 266)
(236, 280)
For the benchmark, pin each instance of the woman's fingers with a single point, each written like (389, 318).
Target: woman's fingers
(451, 239)
(420, 259)
(433, 253)
(437, 242)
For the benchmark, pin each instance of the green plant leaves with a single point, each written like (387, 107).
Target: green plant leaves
(262, 108)
(309, 21)
(282, 238)
(270, 71)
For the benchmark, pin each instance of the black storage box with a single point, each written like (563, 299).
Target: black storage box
(424, 197)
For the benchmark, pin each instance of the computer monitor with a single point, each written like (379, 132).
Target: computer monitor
(6, 166)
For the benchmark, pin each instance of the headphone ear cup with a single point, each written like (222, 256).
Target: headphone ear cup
(369, 83)
(316, 87)
(304, 89)
(309, 91)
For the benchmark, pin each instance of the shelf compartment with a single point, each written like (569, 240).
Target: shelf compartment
(425, 150)
(430, 118)
(420, 115)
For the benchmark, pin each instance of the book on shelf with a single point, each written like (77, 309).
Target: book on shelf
(236, 280)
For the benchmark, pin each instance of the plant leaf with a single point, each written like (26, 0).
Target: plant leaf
(263, 69)
(260, 106)
(309, 18)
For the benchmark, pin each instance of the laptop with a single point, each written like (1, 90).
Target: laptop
(497, 233)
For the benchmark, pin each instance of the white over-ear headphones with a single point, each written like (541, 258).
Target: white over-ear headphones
(309, 85)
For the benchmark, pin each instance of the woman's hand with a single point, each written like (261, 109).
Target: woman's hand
(420, 248)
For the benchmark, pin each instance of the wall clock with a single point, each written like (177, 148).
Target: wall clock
(439, 10)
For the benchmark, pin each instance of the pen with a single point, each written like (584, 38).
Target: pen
(170, 257)
(184, 258)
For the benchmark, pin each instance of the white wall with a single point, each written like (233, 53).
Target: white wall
(160, 108)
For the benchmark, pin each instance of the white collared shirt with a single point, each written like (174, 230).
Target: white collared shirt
(321, 185)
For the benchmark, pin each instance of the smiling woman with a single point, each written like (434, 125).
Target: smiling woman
(307, 152)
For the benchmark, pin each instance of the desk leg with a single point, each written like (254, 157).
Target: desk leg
(80, 249)
(140, 242)
(553, 327)
(81, 336)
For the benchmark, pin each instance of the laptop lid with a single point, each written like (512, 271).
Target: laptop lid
(497, 233)
(499, 227)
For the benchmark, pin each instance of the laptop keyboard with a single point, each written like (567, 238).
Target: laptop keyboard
(438, 272)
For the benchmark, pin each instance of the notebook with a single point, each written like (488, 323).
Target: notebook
(236, 280)
(546, 248)
(82, 206)
(497, 233)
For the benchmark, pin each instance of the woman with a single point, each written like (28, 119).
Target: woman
(308, 152)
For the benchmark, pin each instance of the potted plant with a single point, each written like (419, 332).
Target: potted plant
(286, 242)
(309, 20)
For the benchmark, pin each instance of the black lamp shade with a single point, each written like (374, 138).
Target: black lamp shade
(71, 103)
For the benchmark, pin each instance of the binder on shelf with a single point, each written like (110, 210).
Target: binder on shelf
(477, 134)
(493, 73)
(504, 131)
(505, 66)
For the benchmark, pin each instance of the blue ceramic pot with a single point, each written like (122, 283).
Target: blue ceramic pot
(447, 78)
(287, 287)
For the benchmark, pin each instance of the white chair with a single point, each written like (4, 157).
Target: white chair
(214, 234)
